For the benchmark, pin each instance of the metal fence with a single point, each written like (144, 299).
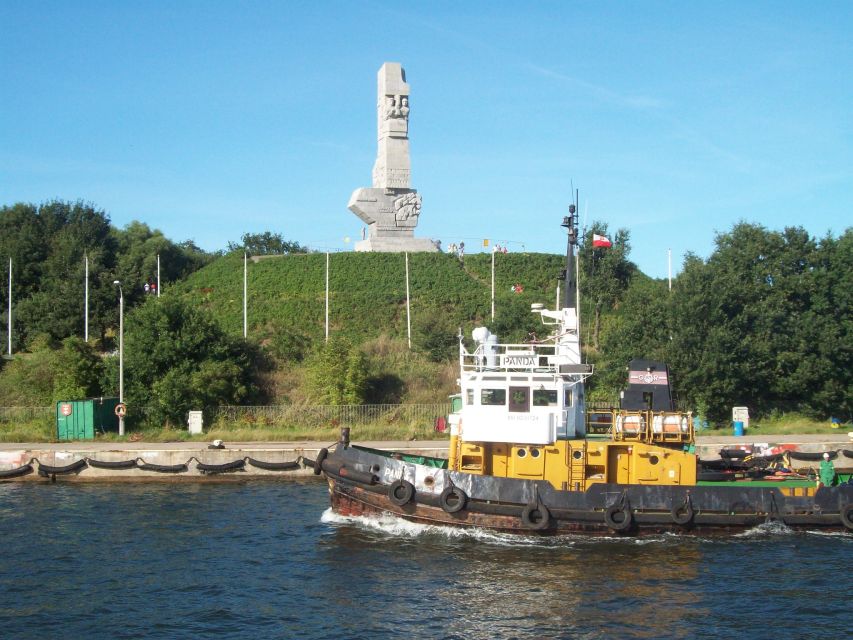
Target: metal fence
(326, 415)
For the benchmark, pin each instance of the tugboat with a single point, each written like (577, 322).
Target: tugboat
(521, 460)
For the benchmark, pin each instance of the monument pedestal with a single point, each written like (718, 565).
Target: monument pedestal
(398, 244)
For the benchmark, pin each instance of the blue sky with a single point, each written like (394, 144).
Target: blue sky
(210, 119)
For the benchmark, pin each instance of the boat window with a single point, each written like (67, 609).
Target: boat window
(469, 396)
(544, 398)
(493, 396)
(567, 400)
(519, 399)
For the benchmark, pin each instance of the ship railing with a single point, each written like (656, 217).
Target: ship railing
(533, 357)
(653, 427)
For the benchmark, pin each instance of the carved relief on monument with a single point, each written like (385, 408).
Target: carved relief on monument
(407, 208)
(395, 117)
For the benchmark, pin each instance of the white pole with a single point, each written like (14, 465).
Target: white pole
(557, 306)
(669, 266)
(9, 319)
(120, 354)
(86, 297)
(493, 284)
(327, 296)
(158, 275)
(245, 293)
(408, 305)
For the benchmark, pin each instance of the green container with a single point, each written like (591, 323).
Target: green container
(81, 419)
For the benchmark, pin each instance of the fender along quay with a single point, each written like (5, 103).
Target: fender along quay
(520, 458)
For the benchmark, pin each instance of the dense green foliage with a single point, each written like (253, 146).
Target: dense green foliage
(177, 358)
(266, 244)
(49, 245)
(765, 322)
(49, 374)
(337, 374)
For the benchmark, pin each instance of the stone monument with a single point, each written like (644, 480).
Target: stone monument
(391, 207)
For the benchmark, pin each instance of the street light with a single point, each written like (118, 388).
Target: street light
(120, 354)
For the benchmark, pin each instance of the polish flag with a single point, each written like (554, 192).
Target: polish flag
(600, 241)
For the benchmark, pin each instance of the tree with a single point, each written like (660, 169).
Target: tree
(606, 273)
(138, 247)
(177, 358)
(337, 373)
(55, 304)
(265, 244)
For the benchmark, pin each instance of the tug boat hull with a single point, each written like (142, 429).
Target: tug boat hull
(363, 483)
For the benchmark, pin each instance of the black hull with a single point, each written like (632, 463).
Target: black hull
(365, 483)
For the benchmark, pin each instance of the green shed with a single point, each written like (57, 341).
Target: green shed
(81, 419)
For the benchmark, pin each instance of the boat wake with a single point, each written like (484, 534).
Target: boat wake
(391, 525)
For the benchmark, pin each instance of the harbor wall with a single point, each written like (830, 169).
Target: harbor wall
(293, 459)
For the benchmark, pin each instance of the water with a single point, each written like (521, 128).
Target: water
(267, 560)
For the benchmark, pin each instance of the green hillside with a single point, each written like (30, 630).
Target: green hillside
(367, 291)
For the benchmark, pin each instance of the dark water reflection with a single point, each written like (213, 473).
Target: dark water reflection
(255, 560)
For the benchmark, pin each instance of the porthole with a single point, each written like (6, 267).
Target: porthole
(534, 453)
(577, 455)
(429, 481)
(653, 459)
(521, 453)
(375, 468)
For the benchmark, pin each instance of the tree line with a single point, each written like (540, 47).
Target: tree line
(765, 321)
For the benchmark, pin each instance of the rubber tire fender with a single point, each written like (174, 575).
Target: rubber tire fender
(682, 514)
(453, 499)
(618, 525)
(847, 516)
(529, 519)
(401, 492)
(318, 463)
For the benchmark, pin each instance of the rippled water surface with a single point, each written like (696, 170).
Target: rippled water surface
(267, 560)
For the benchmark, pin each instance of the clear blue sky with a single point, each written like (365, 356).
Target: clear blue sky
(210, 119)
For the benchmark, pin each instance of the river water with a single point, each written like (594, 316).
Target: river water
(266, 559)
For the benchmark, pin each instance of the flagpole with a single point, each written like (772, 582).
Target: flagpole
(669, 266)
(408, 304)
(86, 297)
(245, 292)
(327, 296)
(9, 319)
(158, 275)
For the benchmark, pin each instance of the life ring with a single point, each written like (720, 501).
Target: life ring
(120, 410)
(401, 492)
(318, 463)
(536, 516)
(613, 523)
(847, 516)
(682, 514)
(453, 499)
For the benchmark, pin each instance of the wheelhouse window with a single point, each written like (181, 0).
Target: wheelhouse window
(493, 397)
(544, 398)
(469, 397)
(519, 399)
(567, 398)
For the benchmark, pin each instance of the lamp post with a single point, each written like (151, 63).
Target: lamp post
(120, 353)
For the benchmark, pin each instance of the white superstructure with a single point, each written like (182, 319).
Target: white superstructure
(530, 393)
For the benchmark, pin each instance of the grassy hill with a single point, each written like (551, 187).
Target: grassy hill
(286, 294)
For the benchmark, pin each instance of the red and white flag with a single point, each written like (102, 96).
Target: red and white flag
(600, 241)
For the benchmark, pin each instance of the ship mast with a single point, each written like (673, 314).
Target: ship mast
(570, 222)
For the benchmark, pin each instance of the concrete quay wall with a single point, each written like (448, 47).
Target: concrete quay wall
(62, 454)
